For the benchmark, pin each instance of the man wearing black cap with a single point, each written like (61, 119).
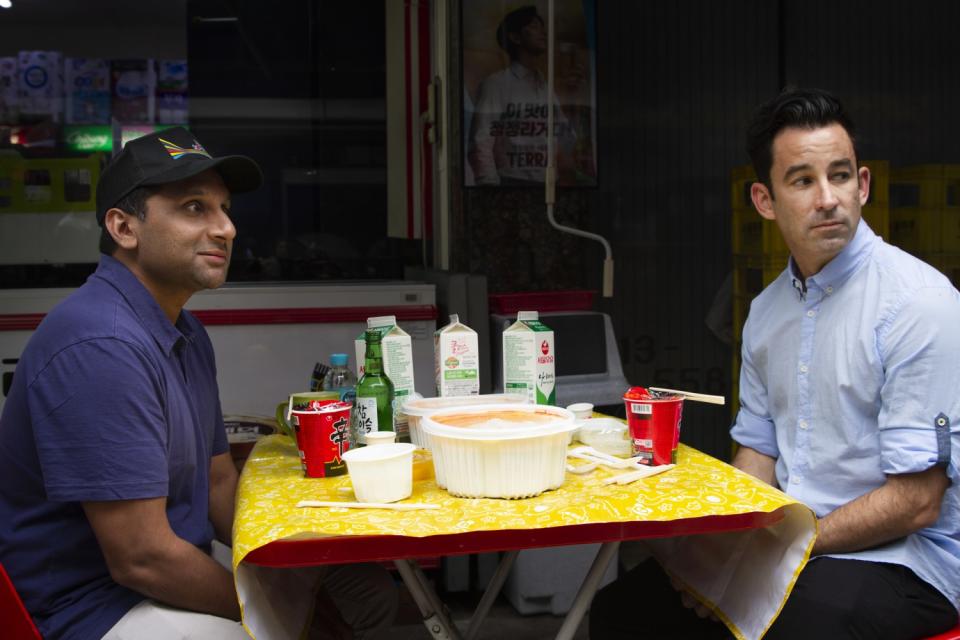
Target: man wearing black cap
(115, 472)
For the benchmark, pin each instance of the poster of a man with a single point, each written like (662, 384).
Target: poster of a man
(506, 102)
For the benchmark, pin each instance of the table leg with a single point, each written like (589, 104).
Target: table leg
(434, 617)
(587, 590)
(493, 590)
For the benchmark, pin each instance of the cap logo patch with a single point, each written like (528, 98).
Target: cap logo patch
(176, 151)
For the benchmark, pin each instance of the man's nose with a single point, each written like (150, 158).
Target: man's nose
(826, 196)
(223, 227)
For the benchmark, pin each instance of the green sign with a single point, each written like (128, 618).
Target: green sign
(88, 138)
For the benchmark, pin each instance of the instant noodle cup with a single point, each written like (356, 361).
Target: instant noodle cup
(653, 420)
(323, 436)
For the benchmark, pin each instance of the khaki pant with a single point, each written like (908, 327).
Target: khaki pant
(365, 595)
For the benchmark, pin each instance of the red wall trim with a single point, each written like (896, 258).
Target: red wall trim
(219, 317)
(20, 321)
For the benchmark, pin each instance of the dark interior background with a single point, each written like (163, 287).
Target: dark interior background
(300, 86)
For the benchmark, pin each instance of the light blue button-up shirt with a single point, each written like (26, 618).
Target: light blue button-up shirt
(852, 375)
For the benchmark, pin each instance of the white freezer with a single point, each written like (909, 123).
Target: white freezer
(267, 337)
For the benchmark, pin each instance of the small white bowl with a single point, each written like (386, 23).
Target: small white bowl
(607, 435)
(383, 473)
(581, 410)
(502, 462)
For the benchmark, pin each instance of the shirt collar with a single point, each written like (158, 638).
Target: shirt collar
(166, 335)
(836, 272)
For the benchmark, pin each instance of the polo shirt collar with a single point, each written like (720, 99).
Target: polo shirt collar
(836, 272)
(144, 305)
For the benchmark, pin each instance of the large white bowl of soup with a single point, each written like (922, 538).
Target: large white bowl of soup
(501, 450)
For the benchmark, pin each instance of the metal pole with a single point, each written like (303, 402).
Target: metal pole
(493, 590)
(587, 590)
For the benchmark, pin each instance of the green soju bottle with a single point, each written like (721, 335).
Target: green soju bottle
(373, 408)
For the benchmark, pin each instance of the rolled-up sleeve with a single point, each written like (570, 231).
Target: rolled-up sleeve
(920, 398)
(753, 428)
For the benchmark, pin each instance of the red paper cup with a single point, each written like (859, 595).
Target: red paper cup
(323, 435)
(654, 425)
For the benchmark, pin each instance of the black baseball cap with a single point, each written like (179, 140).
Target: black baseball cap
(167, 156)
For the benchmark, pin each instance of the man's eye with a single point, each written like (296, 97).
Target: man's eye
(193, 206)
(841, 176)
(802, 182)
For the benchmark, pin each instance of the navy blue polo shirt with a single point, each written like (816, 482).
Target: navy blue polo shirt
(110, 401)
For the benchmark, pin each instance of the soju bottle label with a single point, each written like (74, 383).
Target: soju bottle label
(366, 417)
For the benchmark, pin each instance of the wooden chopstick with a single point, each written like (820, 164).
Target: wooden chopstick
(395, 506)
(697, 397)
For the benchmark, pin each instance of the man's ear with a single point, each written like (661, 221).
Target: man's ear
(762, 200)
(122, 227)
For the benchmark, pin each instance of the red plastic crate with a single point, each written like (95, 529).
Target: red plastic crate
(570, 300)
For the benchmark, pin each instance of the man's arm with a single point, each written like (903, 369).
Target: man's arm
(759, 465)
(145, 555)
(905, 504)
(223, 491)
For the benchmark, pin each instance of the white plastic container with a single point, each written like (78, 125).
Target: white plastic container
(381, 437)
(416, 408)
(607, 435)
(500, 461)
(383, 473)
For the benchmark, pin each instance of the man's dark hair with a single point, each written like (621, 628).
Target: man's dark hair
(514, 22)
(134, 203)
(802, 108)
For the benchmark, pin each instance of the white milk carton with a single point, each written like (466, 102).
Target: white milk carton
(397, 364)
(456, 359)
(528, 359)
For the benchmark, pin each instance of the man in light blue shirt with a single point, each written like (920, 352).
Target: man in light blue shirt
(849, 393)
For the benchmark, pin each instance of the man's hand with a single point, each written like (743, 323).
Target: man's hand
(692, 603)
(145, 555)
(905, 504)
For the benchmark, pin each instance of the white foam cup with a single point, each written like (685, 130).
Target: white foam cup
(383, 473)
(381, 437)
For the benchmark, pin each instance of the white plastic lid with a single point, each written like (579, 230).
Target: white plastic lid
(528, 315)
(420, 406)
(564, 423)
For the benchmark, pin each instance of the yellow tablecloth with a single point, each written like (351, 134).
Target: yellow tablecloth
(745, 576)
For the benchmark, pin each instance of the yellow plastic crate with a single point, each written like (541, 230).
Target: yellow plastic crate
(57, 184)
(917, 230)
(877, 216)
(752, 274)
(948, 264)
(756, 236)
(740, 180)
(926, 186)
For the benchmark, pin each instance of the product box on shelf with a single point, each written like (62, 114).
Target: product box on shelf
(133, 85)
(40, 85)
(172, 92)
(87, 85)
